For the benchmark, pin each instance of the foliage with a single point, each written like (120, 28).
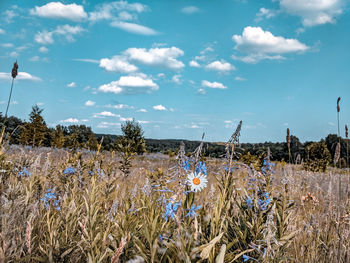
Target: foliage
(133, 136)
(318, 157)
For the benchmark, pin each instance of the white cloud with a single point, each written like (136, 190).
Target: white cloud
(265, 13)
(130, 85)
(240, 78)
(162, 57)
(14, 54)
(104, 114)
(313, 12)
(71, 85)
(2, 31)
(70, 120)
(117, 64)
(201, 91)
(7, 45)
(194, 64)
(134, 28)
(88, 60)
(190, 10)
(159, 107)
(125, 119)
(90, 103)
(260, 44)
(119, 106)
(34, 59)
(43, 49)
(177, 79)
(58, 10)
(40, 103)
(20, 76)
(213, 85)
(46, 37)
(117, 10)
(222, 66)
(142, 110)
(144, 122)
(106, 125)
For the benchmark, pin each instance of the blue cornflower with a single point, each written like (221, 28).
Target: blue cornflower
(264, 203)
(50, 197)
(249, 202)
(69, 170)
(24, 172)
(192, 211)
(246, 258)
(201, 168)
(187, 165)
(170, 210)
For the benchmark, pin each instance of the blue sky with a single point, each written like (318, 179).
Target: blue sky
(180, 68)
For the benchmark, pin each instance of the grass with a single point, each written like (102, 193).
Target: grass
(97, 214)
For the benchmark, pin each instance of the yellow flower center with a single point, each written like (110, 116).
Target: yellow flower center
(196, 181)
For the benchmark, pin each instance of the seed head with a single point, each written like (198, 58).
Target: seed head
(338, 107)
(14, 70)
(346, 131)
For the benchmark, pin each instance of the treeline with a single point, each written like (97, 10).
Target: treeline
(35, 132)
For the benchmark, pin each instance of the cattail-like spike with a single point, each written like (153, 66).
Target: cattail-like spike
(14, 70)
(338, 107)
(337, 154)
(346, 132)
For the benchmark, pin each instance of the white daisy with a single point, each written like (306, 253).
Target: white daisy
(197, 181)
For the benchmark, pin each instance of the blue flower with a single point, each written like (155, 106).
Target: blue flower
(249, 202)
(69, 171)
(187, 165)
(201, 168)
(192, 211)
(170, 210)
(24, 172)
(51, 198)
(246, 258)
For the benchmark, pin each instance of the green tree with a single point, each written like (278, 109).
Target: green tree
(318, 157)
(35, 130)
(133, 136)
(58, 137)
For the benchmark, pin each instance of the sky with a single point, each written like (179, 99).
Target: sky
(180, 68)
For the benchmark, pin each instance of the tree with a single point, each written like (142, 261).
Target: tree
(35, 130)
(133, 136)
(318, 157)
(58, 137)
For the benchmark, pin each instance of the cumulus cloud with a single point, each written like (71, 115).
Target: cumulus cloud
(134, 28)
(201, 91)
(130, 85)
(265, 13)
(58, 10)
(43, 49)
(313, 12)
(260, 44)
(213, 85)
(70, 120)
(117, 10)
(119, 106)
(71, 85)
(221, 66)
(106, 125)
(46, 37)
(190, 10)
(104, 114)
(90, 103)
(177, 79)
(159, 107)
(20, 76)
(117, 64)
(240, 78)
(194, 64)
(161, 57)
(142, 110)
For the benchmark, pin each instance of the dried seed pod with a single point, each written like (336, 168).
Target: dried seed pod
(346, 131)
(338, 107)
(15, 70)
(288, 137)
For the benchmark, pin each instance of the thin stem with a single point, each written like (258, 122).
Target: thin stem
(8, 103)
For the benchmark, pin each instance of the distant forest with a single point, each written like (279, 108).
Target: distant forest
(35, 132)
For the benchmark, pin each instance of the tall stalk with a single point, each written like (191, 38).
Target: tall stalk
(336, 159)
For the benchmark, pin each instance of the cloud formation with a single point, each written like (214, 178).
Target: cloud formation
(20, 76)
(58, 10)
(213, 85)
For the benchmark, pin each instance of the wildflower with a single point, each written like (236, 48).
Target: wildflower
(246, 258)
(69, 171)
(24, 172)
(192, 211)
(51, 198)
(264, 203)
(196, 181)
(201, 168)
(170, 210)
(187, 165)
(249, 202)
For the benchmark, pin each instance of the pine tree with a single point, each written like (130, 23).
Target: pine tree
(58, 137)
(35, 130)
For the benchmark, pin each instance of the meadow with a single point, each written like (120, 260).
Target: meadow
(78, 206)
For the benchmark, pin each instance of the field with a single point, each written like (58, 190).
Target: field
(77, 206)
